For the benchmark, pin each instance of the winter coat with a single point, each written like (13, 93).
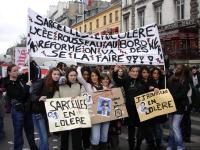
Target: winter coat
(37, 91)
(132, 88)
(179, 93)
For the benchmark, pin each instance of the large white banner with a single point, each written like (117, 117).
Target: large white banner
(49, 39)
(21, 56)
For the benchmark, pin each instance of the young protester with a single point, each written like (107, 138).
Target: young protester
(145, 129)
(186, 120)
(179, 87)
(157, 83)
(99, 132)
(71, 88)
(41, 91)
(83, 77)
(115, 125)
(18, 92)
(132, 87)
(106, 82)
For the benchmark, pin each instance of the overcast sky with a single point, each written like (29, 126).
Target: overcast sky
(13, 19)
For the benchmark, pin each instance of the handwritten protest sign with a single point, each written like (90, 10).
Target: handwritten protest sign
(150, 105)
(48, 39)
(67, 113)
(107, 106)
(21, 54)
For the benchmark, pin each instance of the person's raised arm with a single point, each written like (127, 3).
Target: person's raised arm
(82, 81)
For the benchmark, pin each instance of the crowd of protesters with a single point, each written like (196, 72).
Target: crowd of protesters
(27, 98)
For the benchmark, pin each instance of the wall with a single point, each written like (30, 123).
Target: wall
(100, 16)
(127, 10)
(168, 12)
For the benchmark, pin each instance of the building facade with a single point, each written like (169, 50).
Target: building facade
(178, 22)
(101, 21)
(65, 12)
(128, 15)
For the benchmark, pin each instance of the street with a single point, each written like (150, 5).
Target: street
(54, 141)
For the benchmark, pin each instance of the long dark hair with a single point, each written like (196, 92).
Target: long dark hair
(182, 77)
(159, 72)
(87, 69)
(103, 76)
(98, 74)
(9, 68)
(71, 69)
(142, 69)
(49, 83)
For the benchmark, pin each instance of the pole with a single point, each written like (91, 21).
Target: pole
(29, 76)
(28, 50)
(83, 7)
(165, 75)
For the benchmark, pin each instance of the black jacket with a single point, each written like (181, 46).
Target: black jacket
(179, 92)
(16, 90)
(38, 90)
(132, 88)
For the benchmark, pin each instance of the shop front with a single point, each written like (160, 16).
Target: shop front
(180, 40)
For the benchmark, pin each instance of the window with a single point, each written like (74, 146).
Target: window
(97, 23)
(158, 11)
(80, 29)
(104, 20)
(85, 28)
(116, 15)
(126, 23)
(180, 9)
(90, 26)
(110, 18)
(126, 3)
(141, 18)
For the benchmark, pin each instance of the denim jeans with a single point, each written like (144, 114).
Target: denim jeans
(175, 135)
(22, 120)
(39, 123)
(99, 133)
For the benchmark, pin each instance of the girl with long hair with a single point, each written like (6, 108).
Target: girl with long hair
(18, 93)
(42, 90)
(145, 129)
(157, 83)
(99, 132)
(83, 77)
(71, 88)
(179, 87)
(133, 87)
